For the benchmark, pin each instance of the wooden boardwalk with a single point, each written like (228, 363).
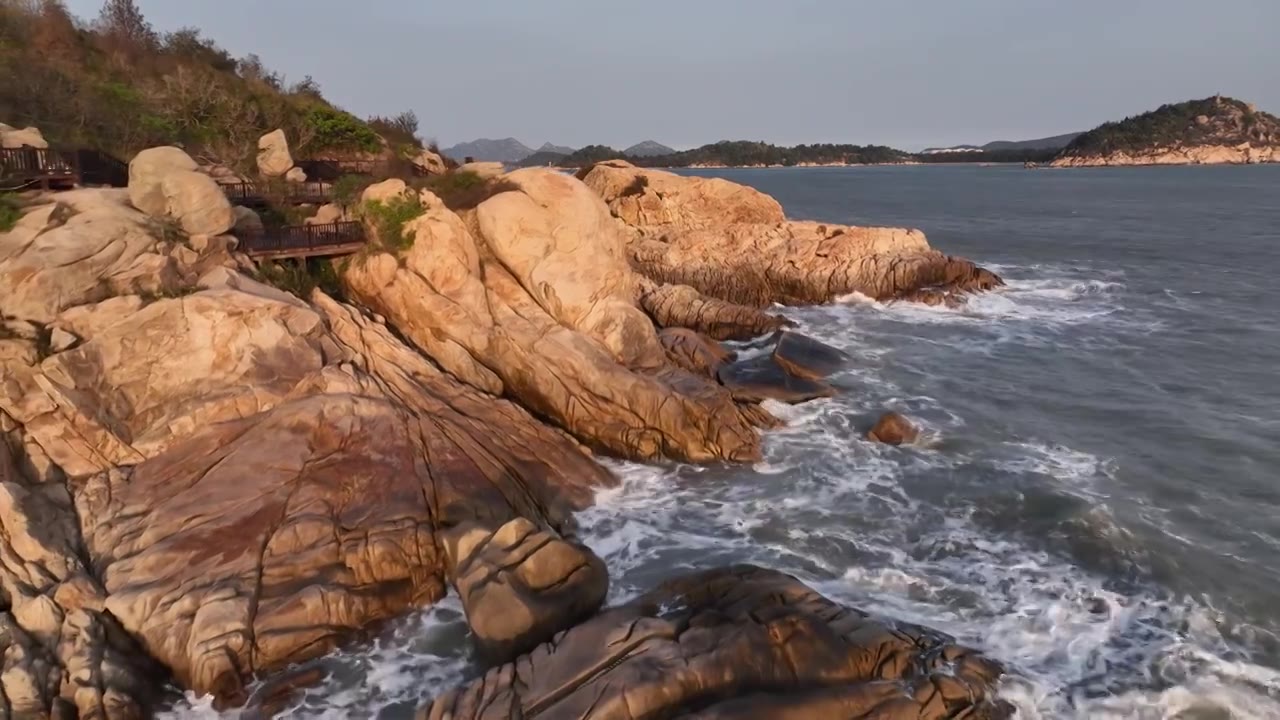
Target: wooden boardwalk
(51, 169)
(304, 241)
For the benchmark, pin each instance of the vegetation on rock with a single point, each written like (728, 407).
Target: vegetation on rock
(10, 211)
(389, 218)
(1212, 121)
(118, 85)
(463, 190)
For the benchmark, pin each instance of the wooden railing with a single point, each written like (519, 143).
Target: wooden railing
(28, 165)
(338, 238)
(252, 195)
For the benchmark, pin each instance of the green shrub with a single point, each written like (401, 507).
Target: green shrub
(347, 189)
(464, 190)
(389, 219)
(10, 211)
(333, 129)
(302, 276)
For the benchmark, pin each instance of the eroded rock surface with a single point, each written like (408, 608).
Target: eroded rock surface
(680, 306)
(733, 243)
(654, 198)
(547, 317)
(739, 643)
(520, 585)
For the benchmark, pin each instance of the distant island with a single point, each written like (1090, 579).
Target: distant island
(1216, 130)
(1213, 131)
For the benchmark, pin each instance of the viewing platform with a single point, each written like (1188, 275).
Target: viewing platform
(27, 168)
(304, 241)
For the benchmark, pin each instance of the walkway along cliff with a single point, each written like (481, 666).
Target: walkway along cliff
(205, 479)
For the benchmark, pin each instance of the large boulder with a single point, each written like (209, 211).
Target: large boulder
(576, 270)
(84, 248)
(548, 322)
(147, 172)
(520, 585)
(197, 203)
(432, 163)
(296, 175)
(644, 197)
(274, 158)
(735, 644)
(11, 138)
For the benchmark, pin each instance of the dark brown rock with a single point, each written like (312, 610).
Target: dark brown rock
(521, 585)
(762, 378)
(893, 429)
(739, 643)
(807, 358)
(698, 354)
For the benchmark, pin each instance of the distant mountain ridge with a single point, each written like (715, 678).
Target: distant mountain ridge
(506, 150)
(648, 148)
(557, 149)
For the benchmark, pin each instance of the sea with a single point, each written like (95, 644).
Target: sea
(1095, 501)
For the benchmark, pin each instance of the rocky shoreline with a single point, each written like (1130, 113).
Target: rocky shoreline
(1244, 154)
(205, 480)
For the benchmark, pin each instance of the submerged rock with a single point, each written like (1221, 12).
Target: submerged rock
(805, 357)
(893, 429)
(762, 378)
(739, 642)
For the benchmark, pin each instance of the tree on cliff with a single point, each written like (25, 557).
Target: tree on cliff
(123, 22)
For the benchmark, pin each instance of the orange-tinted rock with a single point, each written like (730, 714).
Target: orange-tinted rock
(893, 429)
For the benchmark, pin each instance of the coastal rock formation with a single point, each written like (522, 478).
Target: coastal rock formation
(549, 321)
(734, 643)
(798, 263)
(694, 352)
(732, 243)
(274, 158)
(1213, 131)
(1243, 154)
(231, 480)
(653, 198)
(680, 306)
(296, 175)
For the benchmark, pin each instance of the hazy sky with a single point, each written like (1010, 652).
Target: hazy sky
(906, 73)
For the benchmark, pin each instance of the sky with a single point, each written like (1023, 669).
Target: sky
(905, 73)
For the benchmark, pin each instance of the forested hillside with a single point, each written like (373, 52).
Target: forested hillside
(116, 83)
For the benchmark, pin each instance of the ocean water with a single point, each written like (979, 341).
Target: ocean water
(1097, 502)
